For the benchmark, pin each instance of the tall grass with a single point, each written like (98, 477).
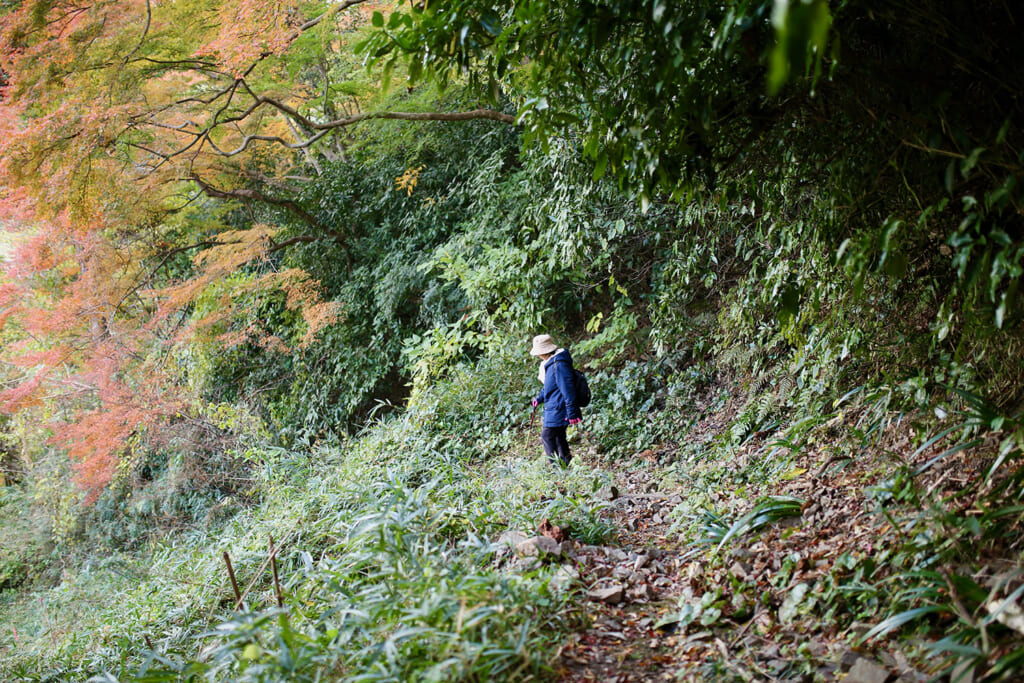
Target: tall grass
(386, 569)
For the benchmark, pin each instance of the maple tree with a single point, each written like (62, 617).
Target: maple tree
(120, 122)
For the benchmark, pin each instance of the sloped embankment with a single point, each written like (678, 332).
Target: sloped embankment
(785, 560)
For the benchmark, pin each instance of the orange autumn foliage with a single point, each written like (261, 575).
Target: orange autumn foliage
(108, 112)
(238, 248)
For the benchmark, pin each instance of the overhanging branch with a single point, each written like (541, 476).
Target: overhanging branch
(246, 193)
(323, 129)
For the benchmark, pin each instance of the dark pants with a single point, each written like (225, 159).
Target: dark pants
(555, 443)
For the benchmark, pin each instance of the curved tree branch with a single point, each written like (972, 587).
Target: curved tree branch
(298, 239)
(145, 33)
(245, 193)
(489, 114)
(326, 127)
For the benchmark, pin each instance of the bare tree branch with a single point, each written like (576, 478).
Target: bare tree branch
(327, 127)
(340, 7)
(299, 239)
(489, 114)
(142, 38)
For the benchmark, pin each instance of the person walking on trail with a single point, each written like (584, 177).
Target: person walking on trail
(558, 397)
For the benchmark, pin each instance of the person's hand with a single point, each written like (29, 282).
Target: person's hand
(533, 403)
(575, 420)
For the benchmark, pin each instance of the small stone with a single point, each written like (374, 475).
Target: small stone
(640, 562)
(848, 659)
(640, 592)
(866, 671)
(607, 493)
(509, 540)
(612, 595)
(564, 578)
(539, 546)
(615, 555)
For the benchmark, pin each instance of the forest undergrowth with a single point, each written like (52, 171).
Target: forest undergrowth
(791, 552)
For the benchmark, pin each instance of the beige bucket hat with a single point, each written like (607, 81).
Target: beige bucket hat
(542, 344)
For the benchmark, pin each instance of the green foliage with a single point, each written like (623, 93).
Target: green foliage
(401, 595)
(24, 536)
(479, 408)
(830, 191)
(801, 36)
(374, 272)
(634, 52)
(941, 569)
(741, 208)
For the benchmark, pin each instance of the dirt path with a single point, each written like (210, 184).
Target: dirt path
(630, 589)
(763, 609)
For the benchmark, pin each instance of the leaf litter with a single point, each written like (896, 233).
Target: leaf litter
(768, 602)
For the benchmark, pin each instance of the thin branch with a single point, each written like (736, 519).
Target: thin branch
(180, 128)
(152, 151)
(277, 183)
(327, 127)
(300, 239)
(932, 150)
(197, 64)
(316, 20)
(142, 38)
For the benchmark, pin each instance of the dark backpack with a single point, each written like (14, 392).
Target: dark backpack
(579, 380)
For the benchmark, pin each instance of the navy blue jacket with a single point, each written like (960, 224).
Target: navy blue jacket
(559, 392)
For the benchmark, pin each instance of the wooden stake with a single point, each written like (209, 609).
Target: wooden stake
(273, 568)
(255, 578)
(234, 584)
